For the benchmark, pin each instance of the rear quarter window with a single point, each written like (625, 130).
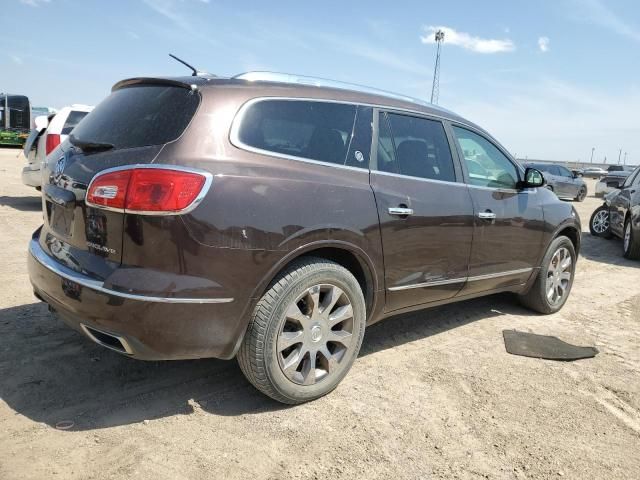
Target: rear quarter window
(307, 129)
(140, 115)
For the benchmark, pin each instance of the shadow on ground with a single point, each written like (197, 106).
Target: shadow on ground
(609, 251)
(50, 373)
(24, 204)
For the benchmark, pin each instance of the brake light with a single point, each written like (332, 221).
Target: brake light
(53, 140)
(154, 190)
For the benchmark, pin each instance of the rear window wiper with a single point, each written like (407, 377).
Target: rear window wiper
(87, 145)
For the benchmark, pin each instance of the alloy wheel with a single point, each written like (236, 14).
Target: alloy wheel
(559, 276)
(316, 335)
(600, 222)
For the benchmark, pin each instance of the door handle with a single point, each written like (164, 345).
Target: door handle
(487, 215)
(400, 211)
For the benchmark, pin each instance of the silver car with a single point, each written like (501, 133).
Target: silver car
(562, 181)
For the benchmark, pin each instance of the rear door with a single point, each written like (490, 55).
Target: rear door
(508, 222)
(129, 127)
(569, 184)
(425, 211)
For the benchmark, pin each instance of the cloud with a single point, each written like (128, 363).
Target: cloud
(596, 13)
(467, 41)
(167, 8)
(34, 3)
(543, 44)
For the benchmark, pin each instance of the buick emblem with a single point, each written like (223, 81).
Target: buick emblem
(59, 168)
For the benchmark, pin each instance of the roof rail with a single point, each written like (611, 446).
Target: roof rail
(323, 82)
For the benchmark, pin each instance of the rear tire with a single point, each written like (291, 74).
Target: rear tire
(554, 280)
(630, 242)
(599, 222)
(305, 332)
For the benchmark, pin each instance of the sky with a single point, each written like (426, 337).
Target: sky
(549, 79)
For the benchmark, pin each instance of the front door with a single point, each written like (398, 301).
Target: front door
(620, 204)
(425, 211)
(508, 222)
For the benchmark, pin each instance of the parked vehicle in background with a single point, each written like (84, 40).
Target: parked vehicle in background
(578, 172)
(42, 141)
(41, 112)
(610, 182)
(594, 172)
(562, 181)
(305, 212)
(619, 216)
(15, 119)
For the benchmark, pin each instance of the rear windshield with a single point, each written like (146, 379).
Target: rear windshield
(72, 120)
(140, 115)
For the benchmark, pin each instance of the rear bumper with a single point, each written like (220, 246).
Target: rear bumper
(144, 327)
(31, 178)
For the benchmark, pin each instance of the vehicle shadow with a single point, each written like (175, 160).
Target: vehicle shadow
(51, 374)
(604, 250)
(24, 204)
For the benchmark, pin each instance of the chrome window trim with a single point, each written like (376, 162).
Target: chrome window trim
(50, 264)
(236, 125)
(158, 166)
(422, 179)
(449, 281)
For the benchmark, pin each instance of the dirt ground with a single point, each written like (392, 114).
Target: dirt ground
(433, 394)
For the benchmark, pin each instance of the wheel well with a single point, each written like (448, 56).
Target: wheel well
(351, 262)
(573, 235)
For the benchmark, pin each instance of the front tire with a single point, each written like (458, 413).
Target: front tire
(599, 222)
(630, 242)
(553, 283)
(305, 332)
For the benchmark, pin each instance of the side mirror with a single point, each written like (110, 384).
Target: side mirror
(532, 178)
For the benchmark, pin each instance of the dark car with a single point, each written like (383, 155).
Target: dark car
(562, 181)
(620, 216)
(273, 221)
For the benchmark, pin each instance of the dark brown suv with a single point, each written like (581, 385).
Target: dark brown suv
(273, 217)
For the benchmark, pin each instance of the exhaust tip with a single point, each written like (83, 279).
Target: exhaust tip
(107, 340)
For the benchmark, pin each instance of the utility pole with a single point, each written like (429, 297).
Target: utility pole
(435, 86)
(625, 158)
(593, 149)
(619, 155)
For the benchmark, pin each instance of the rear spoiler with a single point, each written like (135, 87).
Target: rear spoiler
(153, 81)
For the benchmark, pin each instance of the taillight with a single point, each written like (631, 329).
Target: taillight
(53, 140)
(151, 190)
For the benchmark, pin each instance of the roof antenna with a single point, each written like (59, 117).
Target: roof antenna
(195, 72)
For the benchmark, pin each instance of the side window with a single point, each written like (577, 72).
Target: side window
(415, 147)
(487, 166)
(633, 179)
(386, 151)
(553, 170)
(564, 172)
(314, 130)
